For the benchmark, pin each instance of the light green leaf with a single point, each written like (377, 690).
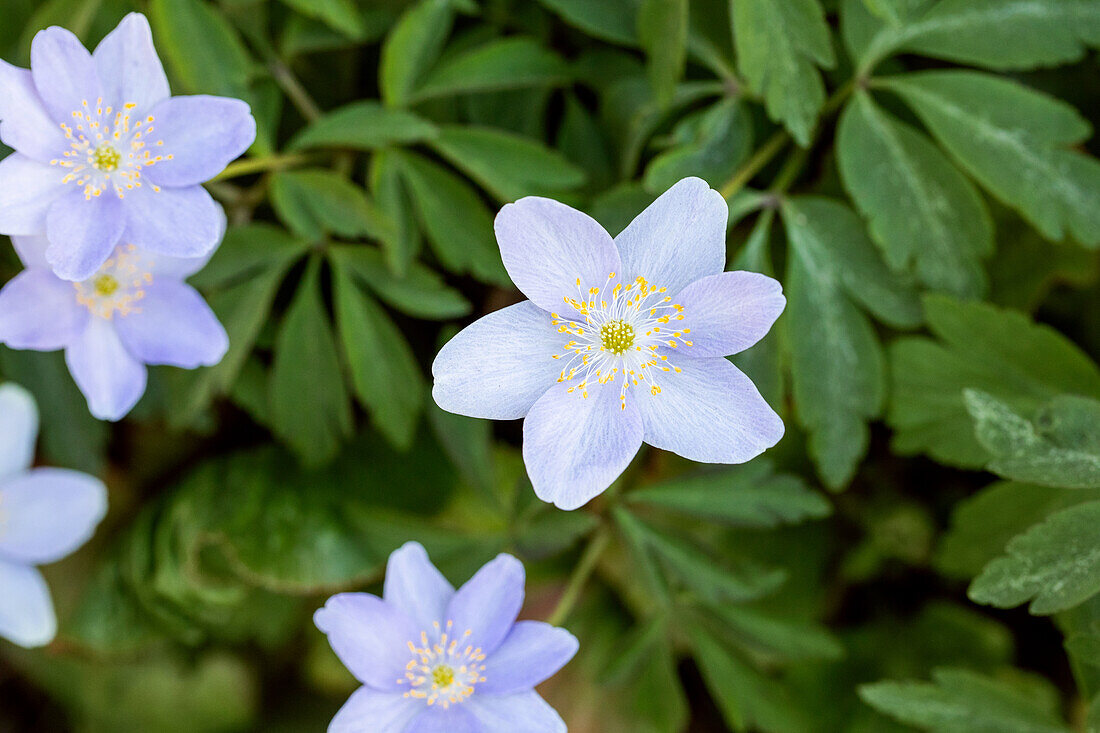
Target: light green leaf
(455, 219)
(412, 47)
(980, 347)
(837, 364)
(752, 495)
(384, 372)
(504, 63)
(663, 32)
(922, 211)
(421, 293)
(960, 701)
(780, 45)
(1015, 142)
(364, 125)
(203, 50)
(1059, 446)
(315, 201)
(310, 406)
(509, 166)
(341, 15)
(709, 144)
(1055, 564)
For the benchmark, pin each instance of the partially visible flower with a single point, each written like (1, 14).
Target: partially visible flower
(135, 310)
(622, 341)
(104, 154)
(45, 514)
(433, 660)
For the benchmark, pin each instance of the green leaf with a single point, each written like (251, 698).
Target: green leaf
(315, 201)
(983, 524)
(412, 47)
(203, 50)
(421, 293)
(1059, 446)
(960, 701)
(709, 144)
(393, 198)
(837, 364)
(611, 20)
(1015, 142)
(895, 11)
(310, 407)
(455, 219)
(780, 45)
(773, 636)
(999, 34)
(340, 15)
(509, 166)
(364, 125)
(504, 63)
(922, 211)
(752, 495)
(980, 347)
(384, 371)
(1055, 564)
(663, 32)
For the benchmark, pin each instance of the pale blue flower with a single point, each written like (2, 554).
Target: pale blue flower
(435, 660)
(45, 514)
(135, 310)
(622, 341)
(104, 155)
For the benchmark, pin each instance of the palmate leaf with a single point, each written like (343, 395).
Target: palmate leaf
(1055, 564)
(923, 212)
(837, 363)
(780, 46)
(960, 701)
(1015, 142)
(709, 144)
(1059, 446)
(982, 347)
(315, 201)
(420, 293)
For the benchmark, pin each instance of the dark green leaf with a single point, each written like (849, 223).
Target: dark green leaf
(421, 293)
(663, 33)
(364, 125)
(505, 63)
(202, 48)
(315, 201)
(341, 15)
(710, 145)
(412, 47)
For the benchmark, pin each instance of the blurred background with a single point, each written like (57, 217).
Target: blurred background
(758, 597)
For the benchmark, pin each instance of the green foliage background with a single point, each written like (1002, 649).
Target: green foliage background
(922, 549)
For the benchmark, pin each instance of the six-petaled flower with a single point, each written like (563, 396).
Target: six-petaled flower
(104, 155)
(45, 514)
(622, 341)
(433, 659)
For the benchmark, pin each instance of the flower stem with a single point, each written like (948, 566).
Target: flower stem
(263, 163)
(298, 95)
(596, 545)
(755, 164)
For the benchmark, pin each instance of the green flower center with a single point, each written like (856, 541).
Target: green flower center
(617, 336)
(443, 676)
(105, 285)
(106, 158)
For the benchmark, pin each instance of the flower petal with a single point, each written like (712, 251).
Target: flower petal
(26, 610)
(128, 66)
(32, 250)
(179, 222)
(39, 311)
(64, 74)
(436, 719)
(18, 429)
(497, 367)
(487, 605)
(378, 712)
(710, 412)
(370, 636)
(181, 268)
(83, 233)
(729, 312)
(203, 134)
(173, 326)
(499, 714)
(24, 123)
(49, 513)
(112, 381)
(531, 653)
(575, 447)
(678, 239)
(27, 190)
(546, 246)
(415, 586)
